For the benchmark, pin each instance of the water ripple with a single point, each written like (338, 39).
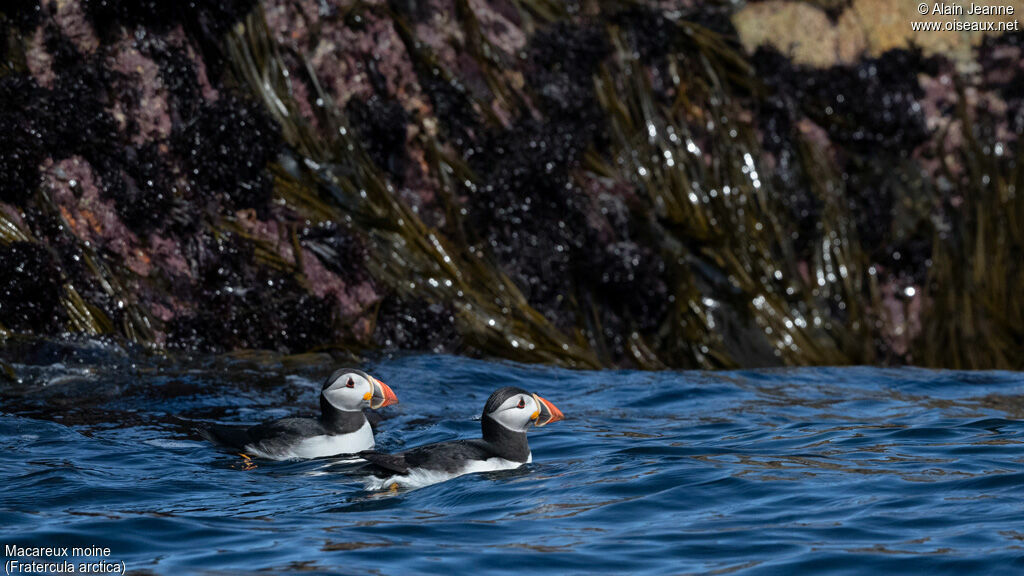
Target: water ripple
(830, 470)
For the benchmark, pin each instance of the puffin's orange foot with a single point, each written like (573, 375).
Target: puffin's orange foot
(247, 463)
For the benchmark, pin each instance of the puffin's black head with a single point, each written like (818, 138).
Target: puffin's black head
(350, 389)
(515, 409)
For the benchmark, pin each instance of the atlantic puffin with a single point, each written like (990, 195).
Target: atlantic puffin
(342, 427)
(507, 415)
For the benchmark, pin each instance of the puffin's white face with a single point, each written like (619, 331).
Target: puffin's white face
(517, 412)
(352, 391)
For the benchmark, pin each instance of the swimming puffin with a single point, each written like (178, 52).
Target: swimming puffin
(508, 414)
(342, 428)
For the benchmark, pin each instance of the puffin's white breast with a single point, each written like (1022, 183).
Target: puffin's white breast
(318, 446)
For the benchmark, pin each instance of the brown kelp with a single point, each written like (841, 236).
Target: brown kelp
(977, 317)
(707, 190)
(337, 181)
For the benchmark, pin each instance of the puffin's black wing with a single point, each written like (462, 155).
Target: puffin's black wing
(231, 436)
(443, 456)
(283, 430)
(297, 427)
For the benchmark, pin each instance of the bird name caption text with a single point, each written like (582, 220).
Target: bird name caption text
(60, 560)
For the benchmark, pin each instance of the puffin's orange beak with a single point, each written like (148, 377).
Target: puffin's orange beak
(383, 395)
(548, 412)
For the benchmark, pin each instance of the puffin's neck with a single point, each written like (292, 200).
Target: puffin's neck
(508, 444)
(340, 421)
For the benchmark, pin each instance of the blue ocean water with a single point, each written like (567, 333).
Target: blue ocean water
(824, 470)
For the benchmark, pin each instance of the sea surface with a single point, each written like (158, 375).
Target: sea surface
(824, 471)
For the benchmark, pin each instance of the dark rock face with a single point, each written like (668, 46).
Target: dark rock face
(873, 116)
(29, 290)
(148, 193)
(417, 325)
(225, 149)
(266, 311)
(143, 162)
(653, 195)
(381, 124)
(874, 103)
(23, 144)
(531, 211)
(24, 13)
(205, 21)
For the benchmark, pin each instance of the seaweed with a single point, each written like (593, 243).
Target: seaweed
(341, 182)
(975, 317)
(722, 234)
(525, 208)
(69, 119)
(339, 248)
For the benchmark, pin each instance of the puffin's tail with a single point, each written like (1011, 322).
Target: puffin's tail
(230, 436)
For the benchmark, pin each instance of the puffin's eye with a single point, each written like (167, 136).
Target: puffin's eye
(350, 384)
(522, 403)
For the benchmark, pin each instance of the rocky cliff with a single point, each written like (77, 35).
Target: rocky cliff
(660, 184)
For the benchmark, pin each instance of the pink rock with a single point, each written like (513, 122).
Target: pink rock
(177, 37)
(92, 218)
(353, 298)
(901, 314)
(167, 254)
(343, 55)
(150, 111)
(499, 23)
(73, 23)
(271, 232)
(38, 60)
